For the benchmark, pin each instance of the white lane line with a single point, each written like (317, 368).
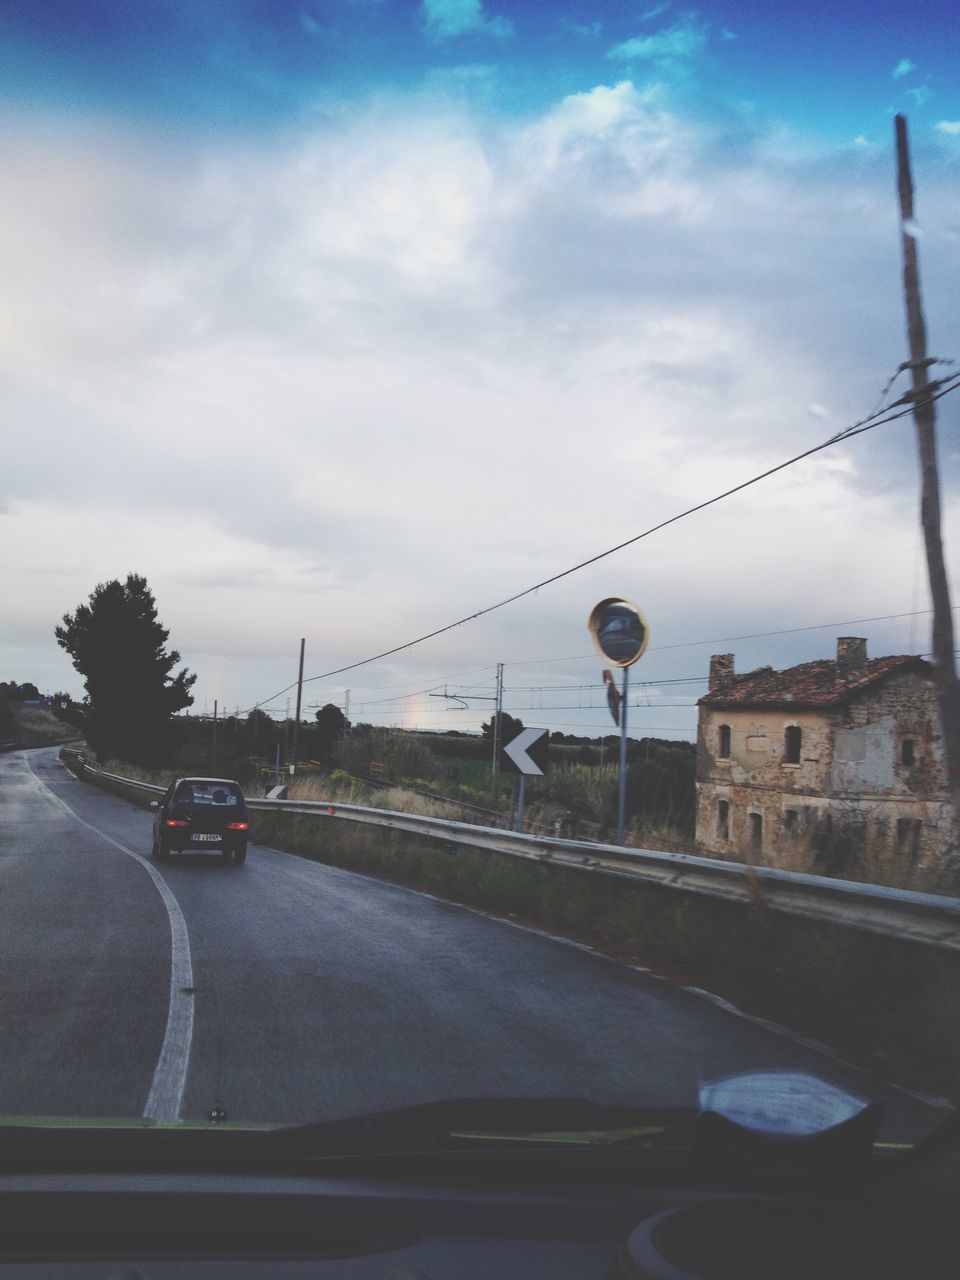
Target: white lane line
(170, 1077)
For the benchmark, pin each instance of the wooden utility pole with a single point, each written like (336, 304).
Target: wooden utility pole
(296, 722)
(944, 662)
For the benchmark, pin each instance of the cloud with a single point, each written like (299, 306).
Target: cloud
(686, 38)
(657, 11)
(310, 24)
(445, 19)
(949, 126)
(903, 68)
(589, 30)
(861, 141)
(920, 95)
(360, 380)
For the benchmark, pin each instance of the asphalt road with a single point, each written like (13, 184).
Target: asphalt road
(314, 992)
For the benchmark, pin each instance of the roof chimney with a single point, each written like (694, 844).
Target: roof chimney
(851, 657)
(721, 671)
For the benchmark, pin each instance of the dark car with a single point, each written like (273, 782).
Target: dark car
(201, 814)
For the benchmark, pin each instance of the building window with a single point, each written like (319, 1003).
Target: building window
(790, 820)
(908, 836)
(724, 751)
(723, 819)
(756, 833)
(791, 744)
(908, 753)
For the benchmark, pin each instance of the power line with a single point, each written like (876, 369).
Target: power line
(820, 626)
(687, 644)
(936, 391)
(753, 635)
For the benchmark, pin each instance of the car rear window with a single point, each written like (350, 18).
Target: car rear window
(212, 793)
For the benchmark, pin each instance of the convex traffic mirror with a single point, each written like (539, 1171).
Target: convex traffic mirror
(619, 631)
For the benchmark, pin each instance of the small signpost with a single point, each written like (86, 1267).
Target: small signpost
(525, 754)
(620, 633)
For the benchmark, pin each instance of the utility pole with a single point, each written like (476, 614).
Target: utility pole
(497, 733)
(944, 663)
(213, 745)
(296, 723)
(622, 788)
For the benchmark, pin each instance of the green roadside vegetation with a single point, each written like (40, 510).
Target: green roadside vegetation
(443, 775)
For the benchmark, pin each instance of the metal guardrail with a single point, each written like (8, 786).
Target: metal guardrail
(932, 919)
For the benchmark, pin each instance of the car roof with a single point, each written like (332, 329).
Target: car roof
(220, 782)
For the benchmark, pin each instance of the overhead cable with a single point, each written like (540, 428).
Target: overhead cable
(936, 390)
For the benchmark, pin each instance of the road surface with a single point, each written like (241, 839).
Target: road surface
(289, 991)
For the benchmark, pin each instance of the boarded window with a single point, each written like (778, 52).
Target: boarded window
(723, 819)
(792, 736)
(908, 753)
(756, 833)
(758, 742)
(724, 749)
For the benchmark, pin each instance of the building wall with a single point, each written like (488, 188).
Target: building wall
(850, 798)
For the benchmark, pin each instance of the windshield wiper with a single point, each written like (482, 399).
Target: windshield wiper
(459, 1122)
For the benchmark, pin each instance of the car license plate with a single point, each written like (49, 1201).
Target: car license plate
(212, 838)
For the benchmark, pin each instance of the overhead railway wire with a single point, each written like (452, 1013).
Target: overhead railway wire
(905, 406)
(687, 644)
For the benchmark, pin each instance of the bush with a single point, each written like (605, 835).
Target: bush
(402, 755)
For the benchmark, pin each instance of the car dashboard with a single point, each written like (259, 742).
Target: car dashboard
(466, 1220)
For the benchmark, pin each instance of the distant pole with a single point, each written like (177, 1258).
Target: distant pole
(622, 797)
(296, 722)
(496, 728)
(213, 746)
(521, 801)
(944, 663)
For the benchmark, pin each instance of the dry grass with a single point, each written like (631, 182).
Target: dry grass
(39, 727)
(340, 788)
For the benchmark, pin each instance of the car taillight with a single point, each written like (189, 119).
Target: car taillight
(175, 822)
(237, 826)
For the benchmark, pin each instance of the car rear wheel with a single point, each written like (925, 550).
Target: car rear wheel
(236, 856)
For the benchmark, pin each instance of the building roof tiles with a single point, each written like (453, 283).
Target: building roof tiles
(811, 684)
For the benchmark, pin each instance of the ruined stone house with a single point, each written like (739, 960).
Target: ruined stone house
(837, 754)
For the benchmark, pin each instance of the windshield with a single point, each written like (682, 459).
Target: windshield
(207, 793)
(354, 354)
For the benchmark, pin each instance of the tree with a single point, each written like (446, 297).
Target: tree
(332, 724)
(117, 643)
(510, 726)
(20, 692)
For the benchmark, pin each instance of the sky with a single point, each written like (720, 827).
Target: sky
(346, 320)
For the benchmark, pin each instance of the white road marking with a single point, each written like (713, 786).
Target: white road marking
(170, 1077)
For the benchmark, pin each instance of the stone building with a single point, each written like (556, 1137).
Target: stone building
(834, 757)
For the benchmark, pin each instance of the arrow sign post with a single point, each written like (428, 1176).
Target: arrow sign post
(526, 753)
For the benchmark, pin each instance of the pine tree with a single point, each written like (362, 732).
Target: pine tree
(117, 643)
